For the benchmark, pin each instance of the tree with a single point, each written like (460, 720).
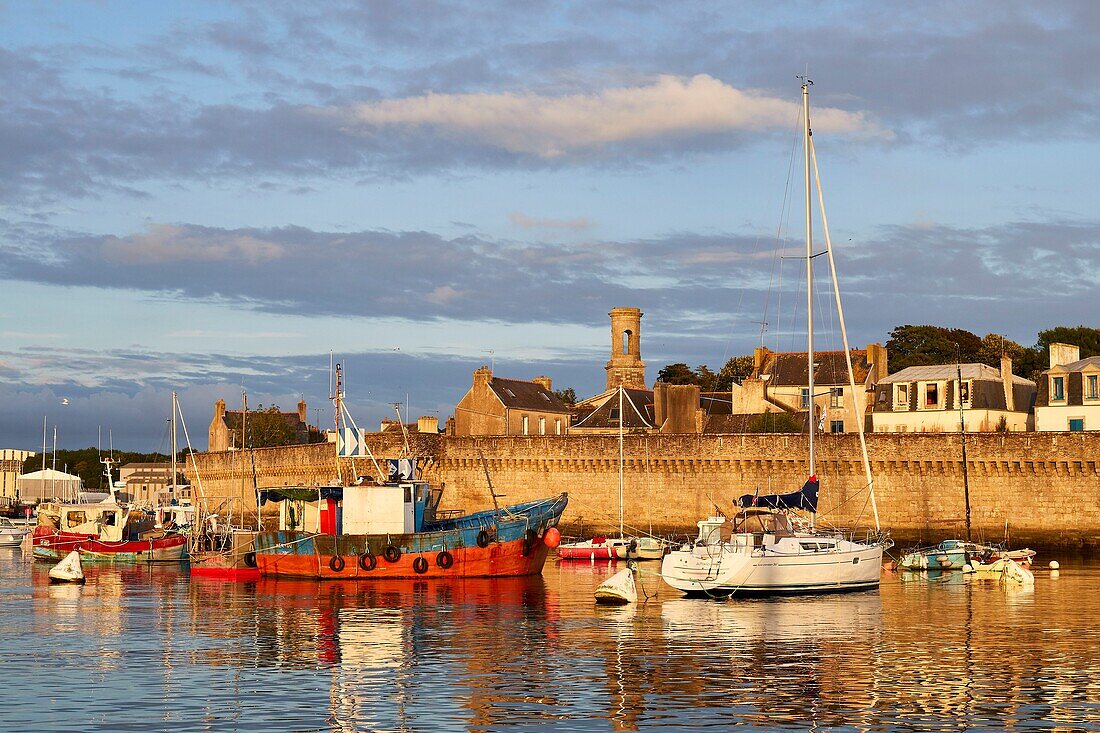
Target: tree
(705, 378)
(1084, 337)
(734, 372)
(267, 428)
(1026, 362)
(775, 422)
(567, 395)
(922, 345)
(679, 373)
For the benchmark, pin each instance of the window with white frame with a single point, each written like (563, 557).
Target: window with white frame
(805, 398)
(526, 425)
(930, 396)
(557, 426)
(965, 389)
(1057, 389)
(542, 426)
(836, 397)
(901, 396)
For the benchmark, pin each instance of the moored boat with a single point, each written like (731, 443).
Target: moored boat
(10, 534)
(597, 548)
(390, 530)
(641, 548)
(105, 532)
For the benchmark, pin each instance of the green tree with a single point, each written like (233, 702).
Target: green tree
(267, 428)
(1084, 337)
(736, 369)
(679, 373)
(775, 422)
(705, 378)
(921, 345)
(567, 395)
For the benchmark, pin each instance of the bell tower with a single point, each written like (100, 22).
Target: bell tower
(626, 366)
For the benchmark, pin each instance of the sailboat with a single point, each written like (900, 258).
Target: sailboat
(601, 547)
(767, 547)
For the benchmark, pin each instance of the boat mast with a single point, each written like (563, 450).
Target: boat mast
(809, 267)
(620, 461)
(962, 436)
(172, 485)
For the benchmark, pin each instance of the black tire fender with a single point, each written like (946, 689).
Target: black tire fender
(445, 560)
(483, 539)
(392, 554)
(367, 562)
(250, 559)
(420, 565)
(336, 564)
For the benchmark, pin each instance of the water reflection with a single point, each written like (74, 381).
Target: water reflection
(163, 651)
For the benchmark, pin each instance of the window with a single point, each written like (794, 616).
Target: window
(836, 397)
(544, 396)
(805, 398)
(836, 426)
(964, 392)
(557, 426)
(542, 426)
(1057, 389)
(626, 342)
(1092, 387)
(509, 392)
(931, 395)
(109, 519)
(901, 397)
(1076, 424)
(72, 519)
(882, 396)
(526, 426)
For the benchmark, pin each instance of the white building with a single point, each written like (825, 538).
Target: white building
(1069, 391)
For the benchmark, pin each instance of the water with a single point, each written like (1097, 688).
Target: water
(148, 649)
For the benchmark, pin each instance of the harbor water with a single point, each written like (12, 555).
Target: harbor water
(147, 648)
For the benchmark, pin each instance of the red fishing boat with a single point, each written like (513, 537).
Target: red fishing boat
(105, 531)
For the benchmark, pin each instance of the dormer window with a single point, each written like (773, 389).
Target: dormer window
(965, 389)
(1057, 389)
(1092, 387)
(901, 396)
(930, 396)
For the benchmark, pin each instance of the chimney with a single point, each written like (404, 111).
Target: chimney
(427, 424)
(482, 377)
(877, 358)
(1006, 381)
(545, 383)
(1063, 354)
(219, 409)
(302, 412)
(759, 354)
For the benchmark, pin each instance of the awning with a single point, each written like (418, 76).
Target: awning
(805, 498)
(301, 493)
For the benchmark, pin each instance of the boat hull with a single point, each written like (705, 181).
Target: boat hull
(719, 571)
(12, 539)
(474, 546)
(226, 558)
(49, 544)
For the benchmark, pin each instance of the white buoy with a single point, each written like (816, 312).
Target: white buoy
(619, 589)
(1053, 565)
(68, 570)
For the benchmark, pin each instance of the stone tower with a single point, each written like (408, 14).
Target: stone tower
(626, 366)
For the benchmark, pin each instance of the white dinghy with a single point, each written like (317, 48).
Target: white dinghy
(619, 589)
(68, 570)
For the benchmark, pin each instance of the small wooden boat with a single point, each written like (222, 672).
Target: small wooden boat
(619, 589)
(68, 570)
(1007, 570)
(641, 548)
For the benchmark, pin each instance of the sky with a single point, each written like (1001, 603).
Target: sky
(212, 197)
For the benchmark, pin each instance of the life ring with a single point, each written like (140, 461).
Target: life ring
(392, 554)
(530, 539)
(336, 563)
(483, 539)
(420, 565)
(250, 559)
(444, 559)
(367, 562)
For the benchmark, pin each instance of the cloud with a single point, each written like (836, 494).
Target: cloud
(559, 126)
(165, 243)
(529, 222)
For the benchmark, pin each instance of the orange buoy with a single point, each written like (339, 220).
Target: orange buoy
(552, 538)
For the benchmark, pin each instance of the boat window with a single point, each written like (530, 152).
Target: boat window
(408, 494)
(810, 546)
(74, 518)
(109, 519)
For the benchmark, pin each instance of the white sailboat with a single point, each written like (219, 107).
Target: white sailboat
(765, 547)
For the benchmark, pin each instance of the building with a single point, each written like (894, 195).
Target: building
(496, 406)
(11, 465)
(48, 484)
(225, 428)
(926, 399)
(667, 408)
(1069, 391)
(626, 366)
(780, 383)
(150, 484)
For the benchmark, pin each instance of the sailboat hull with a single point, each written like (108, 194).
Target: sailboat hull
(726, 569)
(50, 544)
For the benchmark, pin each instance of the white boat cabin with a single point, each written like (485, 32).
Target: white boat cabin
(390, 508)
(105, 521)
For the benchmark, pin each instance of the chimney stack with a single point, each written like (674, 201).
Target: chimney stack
(1063, 354)
(302, 412)
(482, 377)
(545, 383)
(1006, 381)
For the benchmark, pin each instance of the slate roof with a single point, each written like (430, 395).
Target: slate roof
(949, 372)
(521, 395)
(1079, 364)
(788, 369)
(637, 406)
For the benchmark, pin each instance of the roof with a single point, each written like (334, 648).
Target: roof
(49, 474)
(948, 372)
(521, 395)
(788, 369)
(1078, 365)
(637, 406)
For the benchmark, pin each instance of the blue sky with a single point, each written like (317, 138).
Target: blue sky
(210, 196)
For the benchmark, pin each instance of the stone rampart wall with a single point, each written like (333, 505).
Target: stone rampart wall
(1044, 486)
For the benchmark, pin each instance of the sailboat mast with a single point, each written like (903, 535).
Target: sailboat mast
(809, 268)
(620, 461)
(962, 437)
(172, 485)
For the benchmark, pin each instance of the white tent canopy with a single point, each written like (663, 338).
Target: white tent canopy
(47, 484)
